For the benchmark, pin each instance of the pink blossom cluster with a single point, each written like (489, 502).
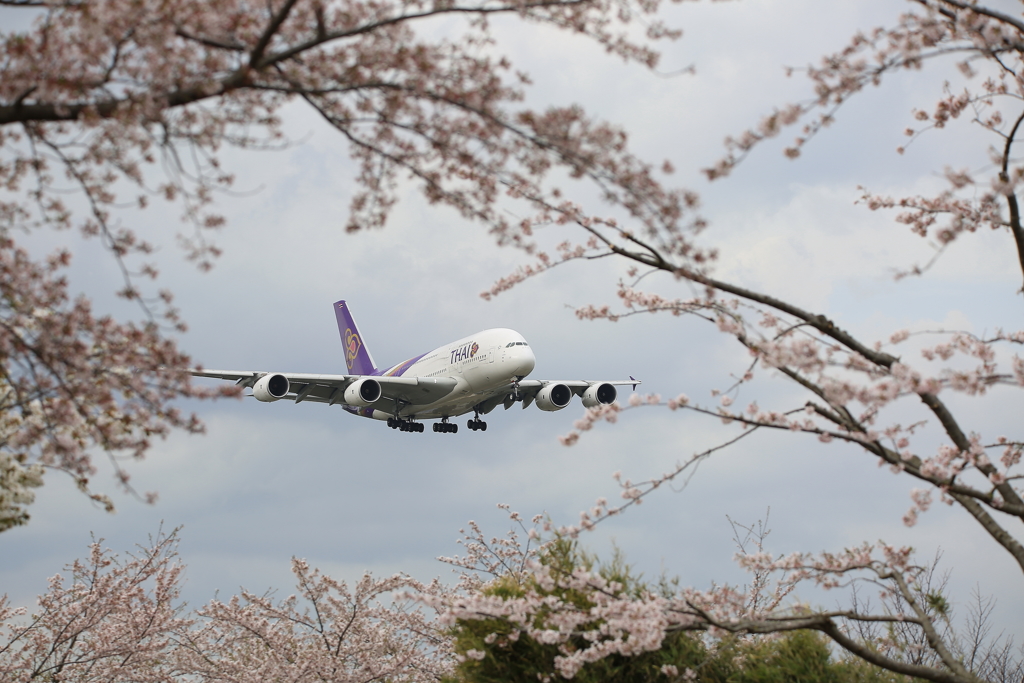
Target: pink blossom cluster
(590, 617)
(507, 556)
(74, 382)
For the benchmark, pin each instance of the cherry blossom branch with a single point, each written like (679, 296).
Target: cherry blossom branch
(1011, 197)
(118, 247)
(1008, 501)
(259, 61)
(370, 27)
(979, 9)
(256, 56)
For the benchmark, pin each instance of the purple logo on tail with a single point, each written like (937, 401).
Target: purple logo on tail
(357, 356)
(352, 346)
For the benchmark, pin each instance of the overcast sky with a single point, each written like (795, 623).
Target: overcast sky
(272, 481)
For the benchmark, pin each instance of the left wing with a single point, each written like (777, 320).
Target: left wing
(331, 388)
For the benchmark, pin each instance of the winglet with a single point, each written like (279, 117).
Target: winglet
(635, 381)
(357, 356)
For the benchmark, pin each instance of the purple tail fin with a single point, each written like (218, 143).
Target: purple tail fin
(357, 357)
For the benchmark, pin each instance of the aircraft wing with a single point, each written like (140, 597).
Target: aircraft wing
(529, 388)
(331, 388)
(578, 386)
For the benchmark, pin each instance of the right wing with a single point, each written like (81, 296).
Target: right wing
(526, 391)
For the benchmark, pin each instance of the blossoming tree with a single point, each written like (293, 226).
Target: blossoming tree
(121, 618)
(116, 103)
(856, 391)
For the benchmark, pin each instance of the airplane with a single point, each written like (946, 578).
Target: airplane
(474, 374)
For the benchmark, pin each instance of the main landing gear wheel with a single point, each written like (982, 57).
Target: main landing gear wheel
(445, 428)
(405, 425)
(477, 424)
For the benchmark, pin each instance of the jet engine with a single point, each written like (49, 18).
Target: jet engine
(270, 388)
(553, 397)
(598, 395)
(362, 392)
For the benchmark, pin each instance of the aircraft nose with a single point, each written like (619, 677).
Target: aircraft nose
(526, 362)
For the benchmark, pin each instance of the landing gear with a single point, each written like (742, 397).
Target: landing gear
(445, 427)
(405, 425)
(476, 423)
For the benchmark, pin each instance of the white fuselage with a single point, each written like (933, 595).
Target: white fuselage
(479, 363)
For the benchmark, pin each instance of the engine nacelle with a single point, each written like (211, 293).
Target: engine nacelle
(270, 387)
(553, 397)
(362, 392)
(599, 395)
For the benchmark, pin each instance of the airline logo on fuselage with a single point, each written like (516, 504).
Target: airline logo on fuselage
(465, 351)
(352, 346)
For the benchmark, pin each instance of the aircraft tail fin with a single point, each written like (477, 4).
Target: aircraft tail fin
(357, 356)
